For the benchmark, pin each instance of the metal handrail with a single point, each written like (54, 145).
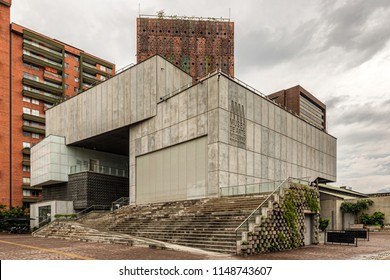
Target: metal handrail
(41, 225)
(84, 212)
(120, 202)
(261, 204)
(97, 168)
(258, 186)
(288, 179)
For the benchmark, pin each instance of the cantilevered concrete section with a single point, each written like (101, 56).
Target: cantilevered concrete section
(191, 140)
(125, 99)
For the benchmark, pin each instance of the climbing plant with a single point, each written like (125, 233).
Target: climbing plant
(312, 202)
(356, 207)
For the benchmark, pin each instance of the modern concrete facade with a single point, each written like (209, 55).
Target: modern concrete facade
(199, 46)
(187, 139)
(36, 72)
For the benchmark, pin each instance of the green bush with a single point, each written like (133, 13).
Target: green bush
(376, 219)
(323, 224)
(65, 216)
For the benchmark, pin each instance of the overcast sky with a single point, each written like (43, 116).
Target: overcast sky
(337, 50)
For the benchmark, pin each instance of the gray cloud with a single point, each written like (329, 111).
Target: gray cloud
(366, 114)
(357, 26)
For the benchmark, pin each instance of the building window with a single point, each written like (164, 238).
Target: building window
(26, 110)
(26, 99)
(102, 78)
(34, 101)
(76, 69)
(76, 90)
(26, 168)
(35, 136)
(66, 55)
(26, 122)
(66, 86)
(66, 76)
(66, 65)
(102, 68)
(77, 80)
(26, 193)
(26, 180)
(35, 112)
(76, 58)
(26, 145)
(26, 134)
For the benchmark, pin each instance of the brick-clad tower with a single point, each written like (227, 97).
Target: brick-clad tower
(196, 45)
(5, 102)
(36, 73)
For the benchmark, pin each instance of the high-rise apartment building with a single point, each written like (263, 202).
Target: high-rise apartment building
(198, 46)
(36, 72)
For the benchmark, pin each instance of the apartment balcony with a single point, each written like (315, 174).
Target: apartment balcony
(33, 129)
(40, 95)
(90, 79)
(44, 85)
(33, 118)
(93, 70)
(51, 77)
(41, 61)
(26, 151)
(26, 162)
(32, 199)
(43, 51)
(35, 188)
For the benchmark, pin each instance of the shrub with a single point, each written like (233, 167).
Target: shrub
(323, 224)
(376, 219)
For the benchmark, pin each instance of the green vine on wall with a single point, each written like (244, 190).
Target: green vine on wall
(312, 202)
(290, 214)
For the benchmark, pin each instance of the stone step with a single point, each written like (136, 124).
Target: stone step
(208, 223)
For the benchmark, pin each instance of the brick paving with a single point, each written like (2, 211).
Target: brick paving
(25, 247)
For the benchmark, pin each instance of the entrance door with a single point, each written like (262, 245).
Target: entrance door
(44, 214)
(308, 230)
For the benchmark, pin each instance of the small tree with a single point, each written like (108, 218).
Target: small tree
(356, 208)
(161, 14)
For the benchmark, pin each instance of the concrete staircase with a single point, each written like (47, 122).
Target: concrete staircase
(71, 230)
(206, 224)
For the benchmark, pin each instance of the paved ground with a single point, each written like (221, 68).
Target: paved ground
(25, 247)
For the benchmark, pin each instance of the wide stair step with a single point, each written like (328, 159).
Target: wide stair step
(207, 224)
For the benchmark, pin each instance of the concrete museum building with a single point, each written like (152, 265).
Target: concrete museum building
(155, 135)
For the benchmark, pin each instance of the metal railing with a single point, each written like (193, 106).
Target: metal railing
(264, 187)
(123, 201)
(244, 226)
(84, 212)
(41, 224)
(99, 169)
